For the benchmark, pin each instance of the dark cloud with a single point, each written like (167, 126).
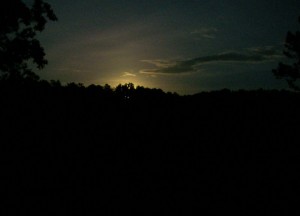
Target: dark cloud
(271, 51)
(209, 33)
(252, 55)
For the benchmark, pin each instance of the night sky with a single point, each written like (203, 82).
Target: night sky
(185, 46)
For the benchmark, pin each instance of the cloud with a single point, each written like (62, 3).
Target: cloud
(128, 74)
(209, 33)
(252, 55)
(270, 51)
(160, 63)
(164, 67)
(70, 70)
(177, 67)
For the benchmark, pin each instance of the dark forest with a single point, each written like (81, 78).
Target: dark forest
(87, 149)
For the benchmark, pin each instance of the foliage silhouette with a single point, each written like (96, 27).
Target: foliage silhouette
(19, 25)
(89, 150)
(291, 72)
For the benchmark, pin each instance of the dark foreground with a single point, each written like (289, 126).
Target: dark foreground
(78, 151)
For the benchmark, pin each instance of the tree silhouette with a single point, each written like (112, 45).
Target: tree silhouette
(19, 25)
(290, 72)
(125, 90)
